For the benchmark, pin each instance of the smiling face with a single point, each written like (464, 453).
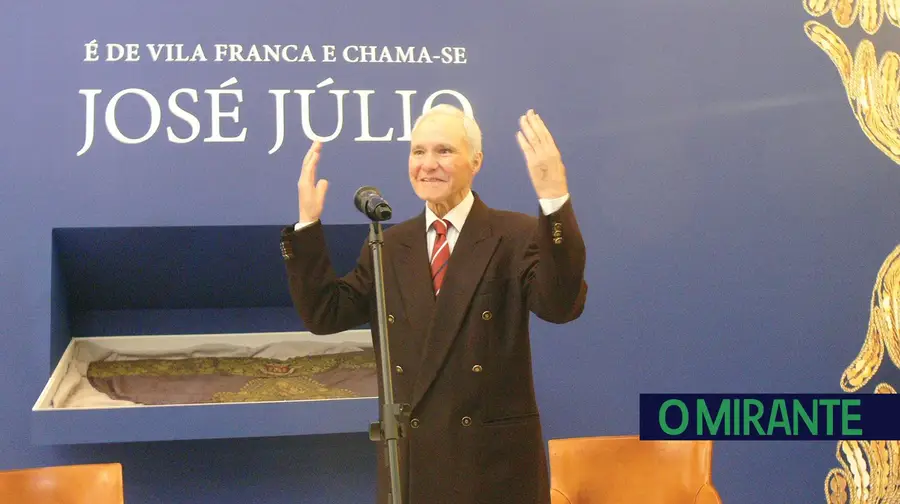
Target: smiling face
(441, 162)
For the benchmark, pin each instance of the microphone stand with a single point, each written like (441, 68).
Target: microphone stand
(393, 416)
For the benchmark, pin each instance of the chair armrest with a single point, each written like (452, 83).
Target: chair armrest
(708, 495)
(557, 497)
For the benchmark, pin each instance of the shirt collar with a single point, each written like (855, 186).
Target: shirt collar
(456, 216)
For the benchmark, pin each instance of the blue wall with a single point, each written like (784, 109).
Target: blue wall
(735, 215)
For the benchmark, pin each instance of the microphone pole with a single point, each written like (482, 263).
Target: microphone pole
(393, 416)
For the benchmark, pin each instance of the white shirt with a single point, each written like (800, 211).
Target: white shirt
(457, 217)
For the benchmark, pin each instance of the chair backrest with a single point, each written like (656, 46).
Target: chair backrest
(73, 484)
(625, 469)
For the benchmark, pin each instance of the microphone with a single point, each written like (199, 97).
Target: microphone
(369, 201)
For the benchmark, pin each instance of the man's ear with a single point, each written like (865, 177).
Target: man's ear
(476, 162)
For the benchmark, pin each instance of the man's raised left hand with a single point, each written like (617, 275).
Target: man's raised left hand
(545, 166)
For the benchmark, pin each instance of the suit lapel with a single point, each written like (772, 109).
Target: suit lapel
(413, 271)
(471, 255)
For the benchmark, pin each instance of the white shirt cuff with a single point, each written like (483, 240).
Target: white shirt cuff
(300, 225)
(551, 205)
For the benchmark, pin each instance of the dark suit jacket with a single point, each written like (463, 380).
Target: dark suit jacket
(461, 361)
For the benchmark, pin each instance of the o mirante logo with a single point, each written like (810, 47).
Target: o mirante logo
(800, 417)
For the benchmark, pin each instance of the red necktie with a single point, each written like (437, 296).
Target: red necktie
(440, 255)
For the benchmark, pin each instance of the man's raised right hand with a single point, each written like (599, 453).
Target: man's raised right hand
(311, 194)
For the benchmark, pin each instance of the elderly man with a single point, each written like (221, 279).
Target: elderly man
(461, 280)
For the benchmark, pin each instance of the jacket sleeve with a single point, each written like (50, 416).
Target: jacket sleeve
(326, 303)
(552, 270)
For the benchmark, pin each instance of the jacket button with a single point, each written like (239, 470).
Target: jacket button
(414, 423)
(486, 315)
(466, 421)
(557, 240)
(476, 368)
(390, 319)
(399, 369)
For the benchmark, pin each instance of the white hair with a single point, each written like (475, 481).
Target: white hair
(473, 132)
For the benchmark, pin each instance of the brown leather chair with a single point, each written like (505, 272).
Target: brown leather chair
(624, 469)
(73, 484)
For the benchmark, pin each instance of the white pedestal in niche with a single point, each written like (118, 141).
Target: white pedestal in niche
(70, 410)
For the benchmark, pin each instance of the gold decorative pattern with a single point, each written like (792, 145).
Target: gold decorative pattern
(871, 14)
(282, 389)
(233, 366)
(271, 379)
(870, 470)
(872, 86)
(883, 333)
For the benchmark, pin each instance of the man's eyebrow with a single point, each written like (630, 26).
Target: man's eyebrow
(437, 145)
